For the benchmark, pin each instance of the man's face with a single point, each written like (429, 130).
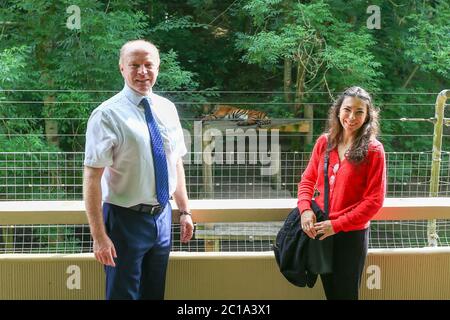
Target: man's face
(139, 68)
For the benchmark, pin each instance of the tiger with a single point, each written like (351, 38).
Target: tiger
(244, 116)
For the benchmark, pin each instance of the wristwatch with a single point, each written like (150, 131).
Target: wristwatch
(185, 213)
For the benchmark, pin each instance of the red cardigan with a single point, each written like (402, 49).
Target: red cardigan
(356, 191)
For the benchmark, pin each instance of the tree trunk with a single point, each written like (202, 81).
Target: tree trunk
(51, 126)
(287, 80)
(299, 144)
(307, 110)
(309, 115)
(299, 90)
(52, 136)
(410, 77)
(150, 10)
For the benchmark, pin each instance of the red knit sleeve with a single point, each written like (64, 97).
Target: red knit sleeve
(373, 196)
(309, 177)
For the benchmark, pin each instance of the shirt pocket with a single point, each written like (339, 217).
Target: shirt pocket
(168, 139)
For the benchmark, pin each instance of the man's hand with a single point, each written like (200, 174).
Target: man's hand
(186, 228)
(181, 199)
(104, 251)
(308, 219)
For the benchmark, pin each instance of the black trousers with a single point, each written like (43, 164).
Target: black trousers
(349, 256)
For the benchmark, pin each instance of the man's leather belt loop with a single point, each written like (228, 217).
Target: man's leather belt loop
(147, 208)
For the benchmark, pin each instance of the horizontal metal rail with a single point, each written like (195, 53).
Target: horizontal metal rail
(205, 211)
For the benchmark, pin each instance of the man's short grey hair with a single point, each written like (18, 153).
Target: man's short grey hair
(141, 43)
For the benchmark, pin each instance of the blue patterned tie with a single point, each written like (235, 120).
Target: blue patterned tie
(159, 156)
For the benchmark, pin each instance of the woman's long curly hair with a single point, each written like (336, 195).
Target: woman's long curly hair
(368, 131)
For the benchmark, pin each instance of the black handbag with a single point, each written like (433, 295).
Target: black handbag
(320, 252)
(300, 258)
(290, 250)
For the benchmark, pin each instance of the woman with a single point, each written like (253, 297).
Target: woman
(357, 179)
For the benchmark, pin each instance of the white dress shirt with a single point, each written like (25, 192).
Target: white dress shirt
(117, 139)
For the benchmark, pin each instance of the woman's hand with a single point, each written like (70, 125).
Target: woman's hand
(308, 219)
(324, 228)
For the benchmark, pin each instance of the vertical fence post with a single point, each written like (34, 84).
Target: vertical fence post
(207, 167)
(436, 160)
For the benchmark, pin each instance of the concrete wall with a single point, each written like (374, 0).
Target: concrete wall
(389, 274)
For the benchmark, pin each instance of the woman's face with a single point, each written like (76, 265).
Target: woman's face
(352, 114)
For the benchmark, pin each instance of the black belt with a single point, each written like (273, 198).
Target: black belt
(147, 208)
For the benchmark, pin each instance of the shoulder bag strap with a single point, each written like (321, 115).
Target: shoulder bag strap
(327, 184)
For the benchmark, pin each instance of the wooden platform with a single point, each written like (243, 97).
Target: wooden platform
(284, 125)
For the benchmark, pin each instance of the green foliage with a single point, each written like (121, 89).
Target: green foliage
(12, 65)
(57, 239)
(314, 37)
(72, 111)
(427, 44)
(349, 61)
(172, 76)
(26, 143)
(176, 23)
(265, 48)
(261, 10)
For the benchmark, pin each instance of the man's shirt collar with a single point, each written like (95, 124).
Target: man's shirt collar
(133, 96)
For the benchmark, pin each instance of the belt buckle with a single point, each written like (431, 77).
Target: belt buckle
(155, 210)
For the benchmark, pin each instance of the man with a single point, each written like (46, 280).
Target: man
(134, 145)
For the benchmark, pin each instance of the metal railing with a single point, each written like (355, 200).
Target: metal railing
(221, 225)
(58, 176)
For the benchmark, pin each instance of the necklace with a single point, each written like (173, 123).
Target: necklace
(342, 150)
